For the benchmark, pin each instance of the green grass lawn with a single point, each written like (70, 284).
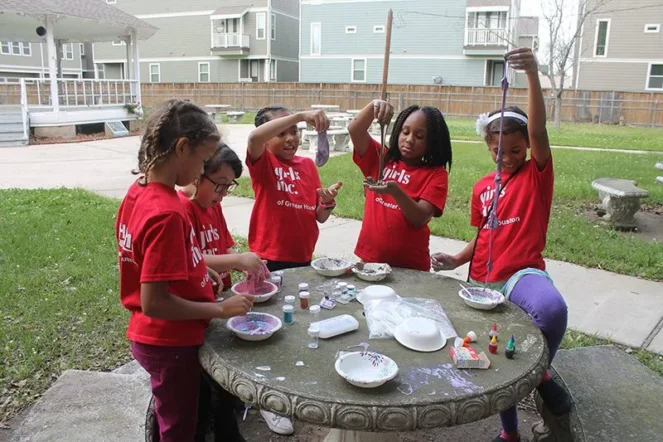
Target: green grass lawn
(59, 301)
(572, 237)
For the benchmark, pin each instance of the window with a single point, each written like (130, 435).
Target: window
(272, 26)
(16, 48)
(272, 70)
(316, 38)
(27, 49)
(203, 73)
(601, 39)
(67, 51)
(82, 48)
(261, 26)
(652, 29)
(378, 29)
(5, 47)
(350, 29)
(155, 73)
(655, 77)
(359, 69)
(487, 20)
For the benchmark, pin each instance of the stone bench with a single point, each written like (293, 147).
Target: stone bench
(659, 166)
(621, 200)
(375, 127)
(615, 398)
(235, 117)
(339, 140)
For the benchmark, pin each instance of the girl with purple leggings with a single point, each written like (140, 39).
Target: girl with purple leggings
(518, 268)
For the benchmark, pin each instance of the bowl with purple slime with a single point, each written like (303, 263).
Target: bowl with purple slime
(261, 293)
(255, 326)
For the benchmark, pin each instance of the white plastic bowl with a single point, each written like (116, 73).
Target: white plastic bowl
(267, 291)
(420, 334)
(372, 272)
(481, 298)
(376, 293)
(255, 326)
(331, 267)
(366, 369)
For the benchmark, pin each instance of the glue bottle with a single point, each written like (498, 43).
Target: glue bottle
(314, 335)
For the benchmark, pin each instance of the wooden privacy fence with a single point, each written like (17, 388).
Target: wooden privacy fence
(639, 109)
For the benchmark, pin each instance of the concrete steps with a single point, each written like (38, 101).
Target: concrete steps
(83, 406)
(13, 125)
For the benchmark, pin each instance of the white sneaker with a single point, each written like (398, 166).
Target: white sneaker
(278, 424)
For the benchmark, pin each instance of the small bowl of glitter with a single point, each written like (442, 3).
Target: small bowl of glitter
(481, 298)
(255, 326)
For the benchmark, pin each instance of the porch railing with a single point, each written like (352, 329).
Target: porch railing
(75, 92)
(486, 37)
(231, 40)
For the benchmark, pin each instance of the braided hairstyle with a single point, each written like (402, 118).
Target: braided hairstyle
(438, 149)
(175, 119)
(511, 125)
(266, 114)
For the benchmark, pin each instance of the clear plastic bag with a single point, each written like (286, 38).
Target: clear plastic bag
(383, 316)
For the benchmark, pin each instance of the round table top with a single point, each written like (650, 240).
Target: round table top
(283, 375)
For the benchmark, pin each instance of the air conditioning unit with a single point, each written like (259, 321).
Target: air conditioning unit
(437, 80)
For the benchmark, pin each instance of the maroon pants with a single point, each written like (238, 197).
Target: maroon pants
(175, 378)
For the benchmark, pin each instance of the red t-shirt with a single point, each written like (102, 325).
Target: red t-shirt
(156, 242)
(211, 230)
(523, 213)
(283, 222)
(386, 235)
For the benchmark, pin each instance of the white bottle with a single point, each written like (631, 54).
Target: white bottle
(336, 326)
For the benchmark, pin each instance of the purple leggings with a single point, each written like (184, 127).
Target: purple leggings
(545, 305)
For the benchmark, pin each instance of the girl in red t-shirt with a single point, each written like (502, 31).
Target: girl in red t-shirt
(414, 190)
(164, 281)
(517, 244)
(290, 201)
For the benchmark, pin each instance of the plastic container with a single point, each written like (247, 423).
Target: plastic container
(289, 300)
(314, 310)
(277, 281)
(343, 287)
(335, 326)
(288, 314)
(303, 300)
(303, 287)
(314, 335)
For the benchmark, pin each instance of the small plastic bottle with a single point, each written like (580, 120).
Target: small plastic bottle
(314, 336)
(277, 281)
(352, 290)
(289, 300)
(303, 287)
(314, 310)
(343, 287)
(303, 300)
(288, 313)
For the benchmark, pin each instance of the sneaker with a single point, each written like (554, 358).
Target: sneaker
(555, 397)
(278, 424)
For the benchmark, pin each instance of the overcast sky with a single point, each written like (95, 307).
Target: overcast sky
(535, 8)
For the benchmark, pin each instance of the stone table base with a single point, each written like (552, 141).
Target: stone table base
(336, 435)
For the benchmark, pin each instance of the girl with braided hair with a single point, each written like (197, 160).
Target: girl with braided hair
(164, 281)
(414, 189)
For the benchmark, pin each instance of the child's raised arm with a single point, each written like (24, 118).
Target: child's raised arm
(262, 134)
(524, 59)
(358, 128)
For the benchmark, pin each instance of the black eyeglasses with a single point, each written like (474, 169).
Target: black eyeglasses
(220, 188)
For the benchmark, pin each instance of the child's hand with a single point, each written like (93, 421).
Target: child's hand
(383, 111)
(317, 119)
(523, 59)
(442, 261)
(217, 282)
(385, 188)
(329, 194)
(237, 305)
(251, 263)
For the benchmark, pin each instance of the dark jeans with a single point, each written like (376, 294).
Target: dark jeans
(282, 265)
(218, 407)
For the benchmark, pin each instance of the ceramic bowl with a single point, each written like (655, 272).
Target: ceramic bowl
(420, 334)
(263, 293)
(255, 326)
(481, 298)
(331, 267)
(376, 293)
(372, 272)
(366, 369)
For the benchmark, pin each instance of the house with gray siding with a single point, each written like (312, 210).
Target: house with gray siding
(446, 42)
(621, 47)
(24, 59)
(210, 41)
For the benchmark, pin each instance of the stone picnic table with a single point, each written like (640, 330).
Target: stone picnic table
(429, 390)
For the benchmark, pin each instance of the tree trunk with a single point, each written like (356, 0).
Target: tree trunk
(558, 111)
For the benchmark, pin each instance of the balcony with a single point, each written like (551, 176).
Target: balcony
(230, 44)
(486, 41)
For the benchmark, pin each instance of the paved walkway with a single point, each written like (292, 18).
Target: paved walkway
(625, 309)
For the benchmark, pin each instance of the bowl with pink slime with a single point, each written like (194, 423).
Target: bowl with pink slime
(261, 293)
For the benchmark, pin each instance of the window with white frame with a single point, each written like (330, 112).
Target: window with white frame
(203, 72)
(359, 69)
(601, 38)
(652, 28)
(5, 47)
(272, 26)
(378, 29)
(272, 70)
(16, 48)
(316, 38)
(350, 29)
(655, 77)
(26, 49)
(155, 73)
(67, 51)
(20, 48)
(487, 20)
(261, 25)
